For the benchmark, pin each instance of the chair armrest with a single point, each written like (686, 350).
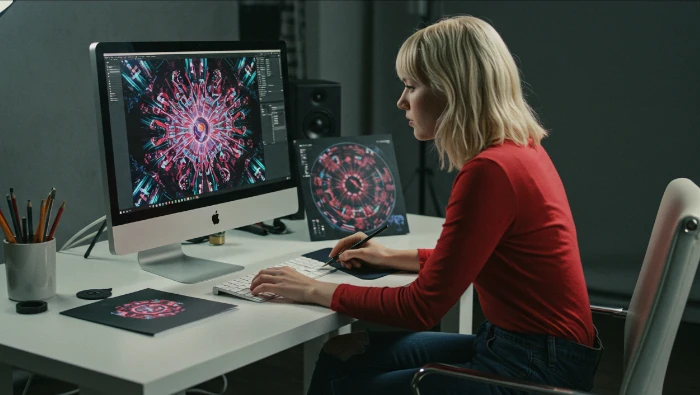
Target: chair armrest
(617, 312)
(488, 378)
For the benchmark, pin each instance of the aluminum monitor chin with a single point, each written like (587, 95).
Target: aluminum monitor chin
(193, 141)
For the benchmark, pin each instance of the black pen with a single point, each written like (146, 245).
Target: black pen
(24, 230)
(30, 222)
(359, 243)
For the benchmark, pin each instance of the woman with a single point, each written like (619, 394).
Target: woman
(508, 230)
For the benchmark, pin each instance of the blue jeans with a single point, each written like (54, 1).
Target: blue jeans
(386, 362)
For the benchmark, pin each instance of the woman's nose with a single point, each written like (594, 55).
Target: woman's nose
(401, 104)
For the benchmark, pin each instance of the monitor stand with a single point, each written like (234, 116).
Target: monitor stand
(171, 262)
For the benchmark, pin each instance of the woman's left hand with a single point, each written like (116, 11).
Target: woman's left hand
(286, 282)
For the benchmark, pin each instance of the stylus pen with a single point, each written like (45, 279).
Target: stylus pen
(359, 243)
(94, 240)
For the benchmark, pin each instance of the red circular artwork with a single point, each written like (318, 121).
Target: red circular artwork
(149, 309)
(353, 187)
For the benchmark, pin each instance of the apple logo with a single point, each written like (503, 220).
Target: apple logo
(215, 218)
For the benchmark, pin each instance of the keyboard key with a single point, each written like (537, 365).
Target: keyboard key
(240, 287)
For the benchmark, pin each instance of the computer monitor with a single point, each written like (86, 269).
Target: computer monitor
(194, 141)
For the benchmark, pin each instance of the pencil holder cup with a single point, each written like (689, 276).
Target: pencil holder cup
(31, 270)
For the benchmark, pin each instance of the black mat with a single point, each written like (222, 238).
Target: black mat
(148, 311)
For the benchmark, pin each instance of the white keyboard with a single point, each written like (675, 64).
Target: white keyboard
(240, 287)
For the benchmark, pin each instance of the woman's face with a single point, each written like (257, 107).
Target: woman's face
(423, 108)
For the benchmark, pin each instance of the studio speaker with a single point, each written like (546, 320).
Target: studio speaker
(314, 113)
(315, 108)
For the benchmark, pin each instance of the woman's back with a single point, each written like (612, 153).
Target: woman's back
(533, 282)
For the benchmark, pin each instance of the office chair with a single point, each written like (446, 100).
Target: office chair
(655, 310)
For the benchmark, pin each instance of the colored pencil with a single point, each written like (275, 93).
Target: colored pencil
(39, 236)
(49, 206)
(55, 222)
(14, 208)
(6, 229)
(14, 225)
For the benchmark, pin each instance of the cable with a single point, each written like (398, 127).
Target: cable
(86, 238)
(80, 233)
(72, 242)
(254, 229)
(197, 240)
(198, 391)
(277, 228)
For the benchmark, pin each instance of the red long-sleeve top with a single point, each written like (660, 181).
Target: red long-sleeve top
(508, 230)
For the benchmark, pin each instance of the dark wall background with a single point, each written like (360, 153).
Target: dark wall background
(616, 83)
(618, 86)
(48, 131)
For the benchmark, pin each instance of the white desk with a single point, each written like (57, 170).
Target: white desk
(105, 360)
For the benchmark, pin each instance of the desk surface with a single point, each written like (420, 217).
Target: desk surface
(98, 356)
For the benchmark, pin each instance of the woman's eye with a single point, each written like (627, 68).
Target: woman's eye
(410, 88)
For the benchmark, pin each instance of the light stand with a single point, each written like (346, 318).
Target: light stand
(425, 174)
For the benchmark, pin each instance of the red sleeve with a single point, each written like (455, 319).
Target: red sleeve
(423, 255)
(480, 210)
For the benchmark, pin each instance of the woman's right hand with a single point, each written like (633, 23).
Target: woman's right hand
(369, 254)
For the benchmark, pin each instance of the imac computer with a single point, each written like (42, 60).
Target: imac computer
(194, 141)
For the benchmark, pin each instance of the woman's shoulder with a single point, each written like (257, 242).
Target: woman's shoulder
(507, 158)
(484, 167)
(509, 153)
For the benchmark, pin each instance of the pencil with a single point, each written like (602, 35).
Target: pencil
(6, 229)
(55, 222)
(39, 236)
(24, 230)
(30, 222)
(38, 224)
(49, 206)
(17, 217)
(12, 215)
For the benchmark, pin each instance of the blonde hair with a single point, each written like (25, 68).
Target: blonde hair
(464, 60)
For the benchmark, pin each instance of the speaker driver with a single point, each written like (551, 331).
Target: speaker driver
(318, 124)
(318, 96)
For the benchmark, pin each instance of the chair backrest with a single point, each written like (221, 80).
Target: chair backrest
(662, 289)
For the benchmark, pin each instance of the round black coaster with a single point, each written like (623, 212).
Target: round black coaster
(31, 307)
(95, 294)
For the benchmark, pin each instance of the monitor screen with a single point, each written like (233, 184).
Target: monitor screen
(190, 125)
(193, 141)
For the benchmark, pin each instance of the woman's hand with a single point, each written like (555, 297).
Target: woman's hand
(369, 254)
(374, 255)
(291, 284)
